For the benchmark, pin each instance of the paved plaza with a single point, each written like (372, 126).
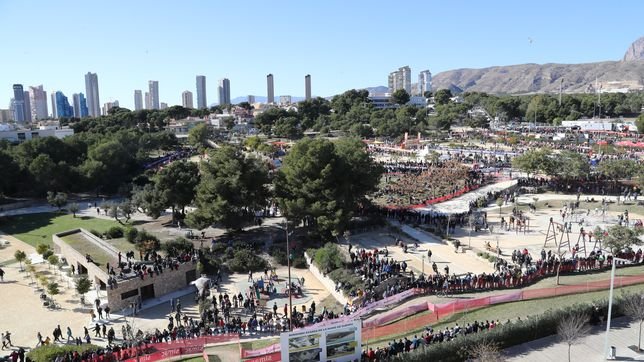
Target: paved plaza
(623, 336)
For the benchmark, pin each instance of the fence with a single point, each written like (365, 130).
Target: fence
(192, 346)
(377, 328)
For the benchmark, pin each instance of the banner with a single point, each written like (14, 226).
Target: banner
(340, 342)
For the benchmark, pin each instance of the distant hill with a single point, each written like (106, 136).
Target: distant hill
(624, 75)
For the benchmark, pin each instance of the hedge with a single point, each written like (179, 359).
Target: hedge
(49, 353)
(506, 335)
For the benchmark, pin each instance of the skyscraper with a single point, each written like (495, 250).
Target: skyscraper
(400, 79)
(138, 100)
(251, 99)
(80, 105)
(54, 112)
(63, 109)
(424, 82)
(18, 104)
(201, 92)
(224, 91)
(163, 105)
(307, 87)
(270, 91)
(27, 107)
(91, 89)
(186, 97)
(38, 101)
(148, 104)
(153, 89)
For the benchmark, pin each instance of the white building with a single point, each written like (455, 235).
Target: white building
(285, 100)
(13, 134)
(400, 79)
(186, 99)
(153, 90)
(38, 102)
(424, 82)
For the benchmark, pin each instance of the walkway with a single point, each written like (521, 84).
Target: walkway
(623, 335)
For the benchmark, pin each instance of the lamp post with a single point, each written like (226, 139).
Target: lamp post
(290, 291)
(610, 303)
(423, 264)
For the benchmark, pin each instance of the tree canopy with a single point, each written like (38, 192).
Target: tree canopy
(232, 188)
(321, 183)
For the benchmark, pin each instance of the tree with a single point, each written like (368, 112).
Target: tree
(53, 260)
(633, 306)
(73, 208)
(328, 258)
(149, 199)
(572, 165)
(639, 123)
(616, 169)
(127, 209)
(442, 96)
(400, 97)
(621, 237)
(485, 351)
(232, 188)
(177, 184)
(20, 256)
(199, 135)
(58, 199)
(573, 327)
(288, 127)
(53, 289)
(41, 249)
(82, 286)
(536, 161)
(499, 203)
(321, 183)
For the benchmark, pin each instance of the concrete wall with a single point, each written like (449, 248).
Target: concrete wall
(168, 282)
(74, 257)
(328, 283)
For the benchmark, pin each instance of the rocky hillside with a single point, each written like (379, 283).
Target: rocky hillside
(545, 78)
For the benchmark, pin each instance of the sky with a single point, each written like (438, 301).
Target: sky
(343, 44)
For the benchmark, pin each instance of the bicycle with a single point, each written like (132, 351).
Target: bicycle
(444, 292)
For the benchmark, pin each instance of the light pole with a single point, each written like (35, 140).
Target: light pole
(423, 264)
(610, 303)
(290, 287)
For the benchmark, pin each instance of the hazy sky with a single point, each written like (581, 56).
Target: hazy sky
(343, 44)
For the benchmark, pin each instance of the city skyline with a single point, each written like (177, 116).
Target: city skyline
(174, 51)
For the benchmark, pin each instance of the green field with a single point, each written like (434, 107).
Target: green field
(36, 229)
(82, 245)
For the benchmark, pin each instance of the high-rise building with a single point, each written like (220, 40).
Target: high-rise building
(424, 82)
(400, 79)
(148, 104)
(63, 109)
(251, 99)
(153, 89)
(54, 112)
(163, 105)
(307, 87)
(186, 98)
(38, 101)
(285, 100)
(80, 105)
(405, 75)
(224, 91)
(138, 100)
(91, 90)
(201, 92)
(270, 89)
(27, 107)
(109, 105)
(6, 115)
(18, 104)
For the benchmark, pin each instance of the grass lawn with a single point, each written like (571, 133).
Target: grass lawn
(259, 343)
(36, 229)
(509, 311)
(84, 246)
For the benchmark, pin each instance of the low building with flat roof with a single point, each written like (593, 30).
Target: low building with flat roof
(91, 255)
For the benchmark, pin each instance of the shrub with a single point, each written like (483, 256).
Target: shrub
(278, 252)
(130, 234)
(351, 282)
(218, 248)
(328, 258)
(177, 246)
(47, 254)
(50, 352)
(244, 260)
(96, 233)
(114, 232)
